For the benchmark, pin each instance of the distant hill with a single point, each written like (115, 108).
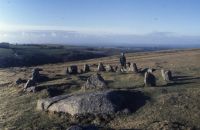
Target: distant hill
(37, 54)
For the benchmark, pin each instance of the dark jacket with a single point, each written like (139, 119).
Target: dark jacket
(123, 60)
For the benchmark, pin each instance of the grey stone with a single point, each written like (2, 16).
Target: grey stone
(167, 75)
(98, 102)
(67, 71)
(128, 64)
(36, 74)
(101, 67)
(109, 68)
(73, 69)
(95, 102)
(149, 79)
(80, 71)
(86, 68)
(119, 69)
(133, 68)
(44, 104)
(95, 81)
(116, 68)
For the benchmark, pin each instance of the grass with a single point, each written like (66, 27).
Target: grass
(177, 101)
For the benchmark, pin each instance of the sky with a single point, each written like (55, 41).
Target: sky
(131, 22)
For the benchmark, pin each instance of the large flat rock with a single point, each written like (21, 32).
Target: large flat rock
(105, 102)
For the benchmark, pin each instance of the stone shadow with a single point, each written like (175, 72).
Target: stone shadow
(127, 99)
(176, 83)
(83, 78)
(184, 78)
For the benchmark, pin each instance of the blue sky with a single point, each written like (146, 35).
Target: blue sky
(100, 21)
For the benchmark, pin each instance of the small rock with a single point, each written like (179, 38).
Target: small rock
(167, 75)
(94, 81)
(133, 68)
(109, 68)
(86, 68)
(101, 67)
(149, 79)
(36, 74)
(80, 71)
(128, 64)
(116, 68)
(73, 69)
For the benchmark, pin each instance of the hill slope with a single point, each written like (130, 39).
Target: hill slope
(176, 104)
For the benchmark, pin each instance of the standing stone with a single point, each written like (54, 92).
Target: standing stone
(86, 68)
(36, 74)
(116, 68)
(149, 79)
(101, 67)
(29, 83)
(73, 69)
(128, 64)
(119, 69)
(163, 73)
(80, 71)
(109, 68)
(67, 71)
(167, 75)
(133, 68)
(95, 81)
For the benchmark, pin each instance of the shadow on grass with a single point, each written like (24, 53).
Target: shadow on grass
(44, 78)
(93, 127)
(126, 99)
(57, 89)
(184, 78)
(176, 83)
(83, 78)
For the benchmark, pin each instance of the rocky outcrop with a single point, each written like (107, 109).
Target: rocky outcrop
(95, 81)
(98, 102)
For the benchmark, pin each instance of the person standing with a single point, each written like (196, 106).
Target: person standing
(123, 62)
